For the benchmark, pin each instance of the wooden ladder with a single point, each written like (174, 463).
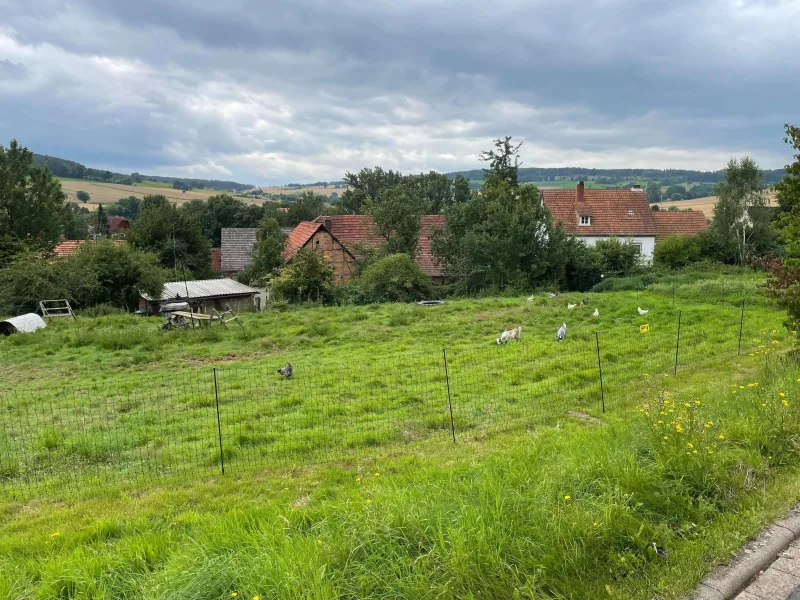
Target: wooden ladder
(54, 309)
(228, 311)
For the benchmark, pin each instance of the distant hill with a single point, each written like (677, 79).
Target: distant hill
(617, 177)
(61, 167)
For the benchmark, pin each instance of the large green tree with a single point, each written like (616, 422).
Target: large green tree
(739, 223)
(125, 207)
(267, 252)
(221, 211)
(367, 184)
(397, 219)
(307, 208)
(654, 192)
(461, 189)
(175, 236)
(503, 235)
(32, 205)
(784, 274)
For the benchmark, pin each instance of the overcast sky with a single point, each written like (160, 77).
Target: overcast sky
(279, 91)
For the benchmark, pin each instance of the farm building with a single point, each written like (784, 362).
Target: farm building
(202, 296)
(318, 236)
(594, 215)
(236, 251)
(118, 224)
(355, 231)
(674, 222)
(237, 248)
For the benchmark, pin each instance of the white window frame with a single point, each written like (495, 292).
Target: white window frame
(586, 222)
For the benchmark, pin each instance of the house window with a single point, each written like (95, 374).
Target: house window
(630, 213)
(586, 220)
(638, 247)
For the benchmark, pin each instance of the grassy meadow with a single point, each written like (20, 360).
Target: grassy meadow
(345, 482)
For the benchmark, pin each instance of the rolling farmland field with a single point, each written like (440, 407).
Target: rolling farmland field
(705, 205)
(105, 193)
(317, 189)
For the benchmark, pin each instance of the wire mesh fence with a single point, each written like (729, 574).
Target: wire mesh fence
(218, 420)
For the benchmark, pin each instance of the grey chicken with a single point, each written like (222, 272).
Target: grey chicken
(286, 371)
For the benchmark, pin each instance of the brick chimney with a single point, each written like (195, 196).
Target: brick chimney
(327, 223)
(579, 193)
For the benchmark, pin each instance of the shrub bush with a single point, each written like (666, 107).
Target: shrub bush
(308, 278)
(676, 252)
(394, 278)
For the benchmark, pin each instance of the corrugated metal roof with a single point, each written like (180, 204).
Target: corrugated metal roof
(237, 248)
(23, 323)
(207, 288)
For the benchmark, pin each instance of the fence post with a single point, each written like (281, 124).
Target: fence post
(741, 325)
(219, 423)
(673, 296)
(449, 400)
(677, 343)
(600, 370)
(723, 293)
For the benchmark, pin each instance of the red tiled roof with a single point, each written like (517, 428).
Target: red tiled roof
(67, 248)
(70, 247)
(355, 230)
(216, 259)
(613, 212)
(118, 223)
(674, 222)
(299, 237)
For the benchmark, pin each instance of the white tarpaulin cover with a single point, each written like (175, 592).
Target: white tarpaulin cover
(23, 323)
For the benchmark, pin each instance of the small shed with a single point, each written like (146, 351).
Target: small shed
(23, 324)
(202, 295)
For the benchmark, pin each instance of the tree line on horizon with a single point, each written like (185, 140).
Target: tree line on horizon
(498, 237)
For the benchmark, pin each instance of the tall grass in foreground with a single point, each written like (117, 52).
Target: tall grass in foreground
(554, 513)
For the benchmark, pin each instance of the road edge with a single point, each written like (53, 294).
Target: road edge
(756, 556)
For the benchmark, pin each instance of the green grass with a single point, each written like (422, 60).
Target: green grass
(345, 482)
(154, 184)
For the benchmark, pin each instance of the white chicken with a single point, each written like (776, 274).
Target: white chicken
(642, 312)
(596, 313)
(571, 306)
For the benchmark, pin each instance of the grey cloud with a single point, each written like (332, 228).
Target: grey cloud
(263, 88)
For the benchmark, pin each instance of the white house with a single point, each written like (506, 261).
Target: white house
(593, 215)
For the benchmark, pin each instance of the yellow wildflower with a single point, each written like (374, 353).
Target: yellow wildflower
(567, 498)
(234, 594)
(256, 597)
(369, 500)
(785, 403)
(666, 437)
(596, 524)
(762, 404)
(720, 436)
(358, 479)
(377, 474)
(55, 534)
(691, 445)
(781, 394)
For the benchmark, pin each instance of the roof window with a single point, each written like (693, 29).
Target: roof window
(586, 221)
